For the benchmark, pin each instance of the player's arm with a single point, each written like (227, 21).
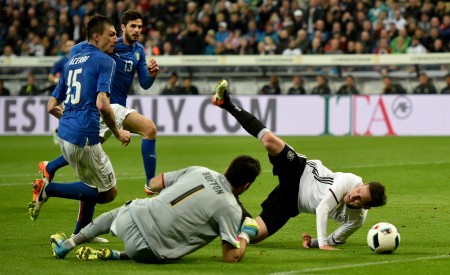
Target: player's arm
(155, 186)
(232, 254)
(322, 211)
(54, 107)
(107, 114)
(146, 72)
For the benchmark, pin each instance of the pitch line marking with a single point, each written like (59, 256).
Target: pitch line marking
(358, 265)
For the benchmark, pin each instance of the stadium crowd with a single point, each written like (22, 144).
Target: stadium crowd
(236, 27)
(40, 28)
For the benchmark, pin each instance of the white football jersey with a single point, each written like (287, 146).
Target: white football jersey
(322, 192)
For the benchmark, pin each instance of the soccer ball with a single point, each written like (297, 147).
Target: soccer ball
(383, 238)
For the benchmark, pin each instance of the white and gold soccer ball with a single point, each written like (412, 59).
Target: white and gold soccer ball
(383, 238)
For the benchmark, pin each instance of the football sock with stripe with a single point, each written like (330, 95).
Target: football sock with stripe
(148, 149)
(85, 215)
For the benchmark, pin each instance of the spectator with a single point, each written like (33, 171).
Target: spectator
(316, 47)
(425, 86)
(283, 42)
(401, 42)
(297, 87)
(222, 32)
(416, 47)
(3, 90)
(30, 87)
(446, 89)
(349, 87)
(292, 49)
(302, 41)
(192, 42)
(188, 88)
(322, 87)
(172, 86)
(382, 47)
(273, 88)
(390, 88)
(298, 20)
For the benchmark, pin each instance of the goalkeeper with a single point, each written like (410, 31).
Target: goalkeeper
(194, 206)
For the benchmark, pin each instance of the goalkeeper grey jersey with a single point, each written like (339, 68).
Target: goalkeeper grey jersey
(322, 192)
(195, 207)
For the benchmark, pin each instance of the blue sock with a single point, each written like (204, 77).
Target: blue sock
(74, 191)
(55, 164)
(148, 150)
(85, 215)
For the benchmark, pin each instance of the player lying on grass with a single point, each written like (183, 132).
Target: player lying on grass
(196, 204)
(129, 57)
(305, 186)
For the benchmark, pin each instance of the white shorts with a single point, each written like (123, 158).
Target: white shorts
(91, 164)
(120, 113)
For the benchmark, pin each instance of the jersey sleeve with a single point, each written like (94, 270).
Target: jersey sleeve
(106, 74)
(145, 80)
(60, 91)
(354, 220)
(229, 222)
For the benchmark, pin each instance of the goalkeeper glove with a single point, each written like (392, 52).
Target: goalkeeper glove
(249, 229)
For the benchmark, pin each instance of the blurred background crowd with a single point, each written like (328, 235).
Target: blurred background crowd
(236, 27)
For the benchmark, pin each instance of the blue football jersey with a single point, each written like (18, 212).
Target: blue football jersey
(129, 60)
(58, 67)
(85, 75)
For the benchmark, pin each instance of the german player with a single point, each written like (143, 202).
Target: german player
(195, 206)
(305, 186)
(84, 88)
(130, 59)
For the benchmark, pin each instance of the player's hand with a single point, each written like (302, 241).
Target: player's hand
(328, 247)
(124, 136)
(306, 240)
(152, 68)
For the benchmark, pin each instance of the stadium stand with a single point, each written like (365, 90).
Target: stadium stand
(166, 21)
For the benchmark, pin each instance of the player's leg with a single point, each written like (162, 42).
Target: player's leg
(249, 122)
(49, 168)
(101, 225)
(139, 124)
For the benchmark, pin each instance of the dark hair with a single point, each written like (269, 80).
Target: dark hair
(377, 193)
(130, 15)
(98, 24)
(243, 169)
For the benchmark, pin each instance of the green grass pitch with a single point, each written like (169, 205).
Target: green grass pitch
(415, 170)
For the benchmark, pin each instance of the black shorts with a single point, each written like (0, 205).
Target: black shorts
(282, 202)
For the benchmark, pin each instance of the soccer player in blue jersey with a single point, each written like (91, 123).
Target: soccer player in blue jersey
(130, 58)
(84, 88)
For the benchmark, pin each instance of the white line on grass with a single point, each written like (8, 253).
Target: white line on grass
(358, 265)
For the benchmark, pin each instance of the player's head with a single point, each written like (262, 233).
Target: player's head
(131, 24)
(242, 171)
(366, 196)
(377, 193)
(101, 33)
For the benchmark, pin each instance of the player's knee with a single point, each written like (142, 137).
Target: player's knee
(149, 130)
(107, 196)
